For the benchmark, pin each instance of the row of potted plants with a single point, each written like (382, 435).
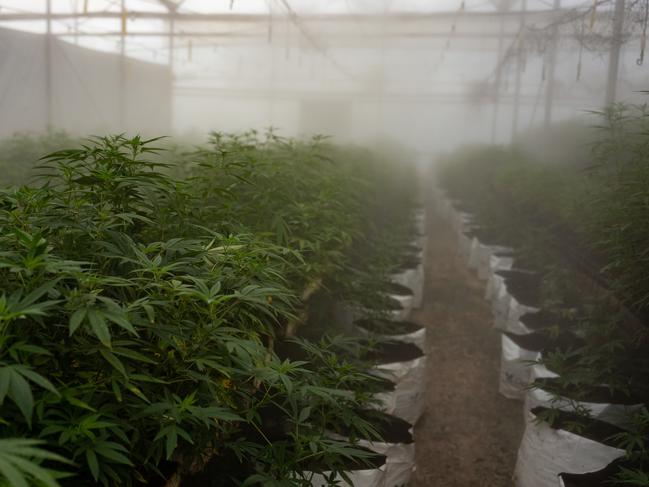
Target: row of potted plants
(171, 322)
(574, 347)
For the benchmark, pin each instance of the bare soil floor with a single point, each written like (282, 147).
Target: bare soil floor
(469, 435)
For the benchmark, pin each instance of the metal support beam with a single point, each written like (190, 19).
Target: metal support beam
(551, 68)
(48, 66)
(614, 54)
(498, 82)
(122, 69)
(263, 19)
(520, 65)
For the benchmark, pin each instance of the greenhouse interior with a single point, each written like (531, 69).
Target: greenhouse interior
(373, 243)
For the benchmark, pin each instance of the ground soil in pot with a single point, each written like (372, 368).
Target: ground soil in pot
(592, 429)
(408, 263)
(588, 393)
(524, 286)
(546, 319)
(601, 478)
(544, 342)
(390, 352)
(387, 327)
(397, 289)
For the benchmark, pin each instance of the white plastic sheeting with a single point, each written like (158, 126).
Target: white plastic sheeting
(515, 371)
(545, 452)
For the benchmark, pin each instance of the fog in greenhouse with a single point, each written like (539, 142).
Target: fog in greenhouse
(375, 243)
(430, 75)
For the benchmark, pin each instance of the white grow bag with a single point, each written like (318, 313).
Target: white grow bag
(507, 311)
(515, 371)
(413, 279)
(489, 262)
(544, 453)
(514, 313)
(406, 303)
(399, 460)
(399, 463)
(494, 290)
(500, 304)
(359, 478)
(407, 400)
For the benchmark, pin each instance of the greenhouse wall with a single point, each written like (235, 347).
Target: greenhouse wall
(85, 89)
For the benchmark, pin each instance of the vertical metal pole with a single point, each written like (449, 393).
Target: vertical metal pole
(498, 80)
(552, 64)
(171, 46)
(614, 54)
(122, 70)
(76, 22)
(48, 67)
(519, 70)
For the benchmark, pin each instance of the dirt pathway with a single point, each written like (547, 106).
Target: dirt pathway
(469, 434)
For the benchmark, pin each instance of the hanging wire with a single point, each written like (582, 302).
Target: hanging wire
(451, 34)
(643, 37)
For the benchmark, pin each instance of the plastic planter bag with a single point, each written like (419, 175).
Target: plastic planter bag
(419, 289)
(491, 262)
(400, 461)
(359, 478)
(537, 371)
(495, 284)
(413, 279)
(546, 452)
(515, 372)
(398, 448)
(407, 401)
(516, 310)
(406, 303)
(500, 306)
